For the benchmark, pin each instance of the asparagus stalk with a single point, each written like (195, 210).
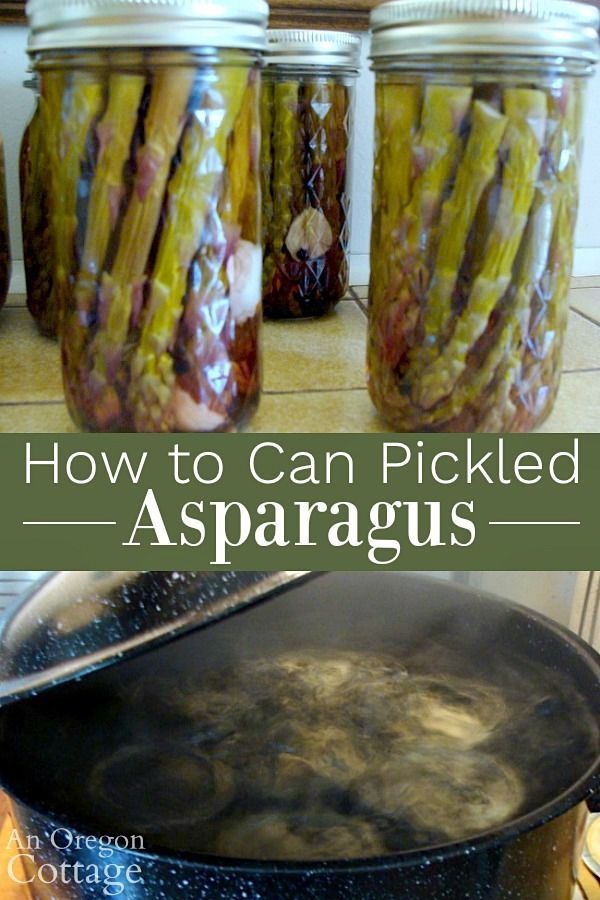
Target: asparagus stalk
(115, 134)
(545, 249)
(191, 194)
(397, 120)
(526, 112)
(286, 167)
(504, 357)
(400, 106)
(438, 152)
(37, 241)
(215, 353)
(240, 201)
(540, 369)
(47, 168)
(85, 104)
(266, 160)
(164, 125)
(436, 158)
(475, 172)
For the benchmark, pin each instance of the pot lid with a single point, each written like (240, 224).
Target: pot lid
(548, 28)
(76, 622)
(65, 25)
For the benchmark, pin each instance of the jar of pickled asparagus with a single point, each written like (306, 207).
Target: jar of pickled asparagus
(37, 244)
(307, 106)
(152, 144)
(478, 137)
(5, 261)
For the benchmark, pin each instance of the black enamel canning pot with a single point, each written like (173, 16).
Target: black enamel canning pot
(46, 737)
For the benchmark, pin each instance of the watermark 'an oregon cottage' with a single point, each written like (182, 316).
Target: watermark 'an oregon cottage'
(29, 862)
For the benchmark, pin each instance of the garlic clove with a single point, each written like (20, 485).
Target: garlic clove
(244, 271)
(192, 416)
(310, 236)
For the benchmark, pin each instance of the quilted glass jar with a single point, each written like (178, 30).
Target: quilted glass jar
(153, 152)
(478, 140)
(307, 115)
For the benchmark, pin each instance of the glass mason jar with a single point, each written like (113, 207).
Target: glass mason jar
(478, 136)
(35, 220)
(153, 164)
(5, 260)
(307, 113)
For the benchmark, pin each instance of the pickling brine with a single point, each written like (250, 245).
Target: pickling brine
(476, 195)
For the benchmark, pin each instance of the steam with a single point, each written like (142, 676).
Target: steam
(310, 756)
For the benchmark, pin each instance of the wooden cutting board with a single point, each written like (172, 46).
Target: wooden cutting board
(10, 890)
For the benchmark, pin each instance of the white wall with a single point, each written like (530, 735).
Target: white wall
(16, 108)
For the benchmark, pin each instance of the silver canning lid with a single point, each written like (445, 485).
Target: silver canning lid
(503, 27)
(75, 24)
(299, 47)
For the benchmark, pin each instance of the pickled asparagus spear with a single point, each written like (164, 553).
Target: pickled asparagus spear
(436, 157)
(505, 355)
(266, 160)
(239, 202)
(286, 167)
(216, 351)
(164, 125)
(47, 166)
(475, 172)
(399, 113)
(526, 111)
(37, 240)
(397, 120)
(536, 359)
(547, 229)
(191, 193)
(438, 152)
(85, 104)
(505, 358)
(115, 134)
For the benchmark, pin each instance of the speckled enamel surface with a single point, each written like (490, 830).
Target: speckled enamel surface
(534, 858)
(537, 866)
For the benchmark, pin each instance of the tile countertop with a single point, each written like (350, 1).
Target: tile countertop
(314, 372)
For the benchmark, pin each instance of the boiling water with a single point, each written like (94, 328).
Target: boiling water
(324, 756)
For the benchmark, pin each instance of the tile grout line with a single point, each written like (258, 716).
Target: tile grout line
(11, 404)
(362, 308)
(304, 391)
(585, 316)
